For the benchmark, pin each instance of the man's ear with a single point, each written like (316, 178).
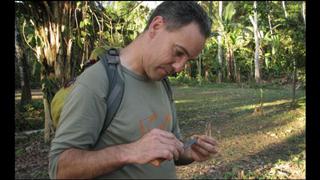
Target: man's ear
(156, 24)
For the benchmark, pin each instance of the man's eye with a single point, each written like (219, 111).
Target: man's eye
(179, 53)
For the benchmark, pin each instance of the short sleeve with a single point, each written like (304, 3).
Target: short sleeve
(81, 121)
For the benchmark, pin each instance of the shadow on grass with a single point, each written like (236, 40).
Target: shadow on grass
(247, 123)
(262, 160)
(226, 119)
(231, 114)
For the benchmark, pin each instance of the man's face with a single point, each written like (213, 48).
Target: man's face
(169, 51)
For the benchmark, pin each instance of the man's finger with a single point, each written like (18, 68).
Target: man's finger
(163, 133)
(208, 139)
(199, 153)
(207, 146)
(200, 150)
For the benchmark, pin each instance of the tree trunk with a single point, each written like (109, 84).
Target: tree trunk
(230, 64)
(270, 26)
(46, 105)
(236, 73)
(53, 24)
(23, 69)
(25, 87)
(76, 58)
(206, 74)
(210, 8)
(251, 70)
(47, 121)
(228, 56)
(257, 43)
(269, 18)
(206, 71)
(304, 11)
(200, 65)
(284, 9)
(68, 64)
(294, 74)
(55, 32)
(220, 78)
(187, 68)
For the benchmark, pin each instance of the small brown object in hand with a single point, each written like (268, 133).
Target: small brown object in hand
(208, 129)
(157, 162)
(187, 144)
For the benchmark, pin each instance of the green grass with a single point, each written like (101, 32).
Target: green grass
(250, 145)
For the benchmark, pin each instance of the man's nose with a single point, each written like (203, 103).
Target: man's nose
(178, 65)
(177, 68)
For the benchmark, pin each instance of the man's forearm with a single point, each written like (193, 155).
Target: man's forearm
(76, 163)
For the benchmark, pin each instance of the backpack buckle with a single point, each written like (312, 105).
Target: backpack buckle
(113, 56)
(113, 52)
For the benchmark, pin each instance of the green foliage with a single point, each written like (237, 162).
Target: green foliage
(50, 87)
(229, 12)
(229, 175)
(29, 117)
(126, 20)
(182, 79)
(19, 152)
(118, 23)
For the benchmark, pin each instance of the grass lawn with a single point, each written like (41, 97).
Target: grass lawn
(268, 145)
(251, 145)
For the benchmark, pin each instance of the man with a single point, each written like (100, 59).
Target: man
(142, 130)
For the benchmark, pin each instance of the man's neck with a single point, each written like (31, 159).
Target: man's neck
(131, 56)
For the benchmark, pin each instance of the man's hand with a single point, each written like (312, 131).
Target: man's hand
(156, 144)
(203, 149)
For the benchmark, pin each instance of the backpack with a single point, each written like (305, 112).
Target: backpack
(110, 60)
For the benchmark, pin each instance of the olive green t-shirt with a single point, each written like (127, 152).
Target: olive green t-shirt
(145, 105)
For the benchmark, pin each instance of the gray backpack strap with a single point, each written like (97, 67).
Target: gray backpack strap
(111, 61)
(166, 84)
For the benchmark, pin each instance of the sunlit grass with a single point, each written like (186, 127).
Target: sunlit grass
(265, 104)
(250, 145)
(184, 101)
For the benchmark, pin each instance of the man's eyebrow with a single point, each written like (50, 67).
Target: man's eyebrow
(184, 49)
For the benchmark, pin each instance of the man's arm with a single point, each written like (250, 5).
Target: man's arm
(76, 163)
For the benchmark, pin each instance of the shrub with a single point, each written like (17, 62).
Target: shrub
(31, 117)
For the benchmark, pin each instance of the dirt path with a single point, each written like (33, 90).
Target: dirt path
(31, 156)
